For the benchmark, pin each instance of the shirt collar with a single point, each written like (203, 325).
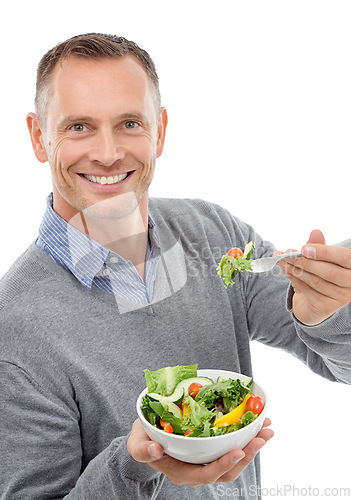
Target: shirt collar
(83, 256)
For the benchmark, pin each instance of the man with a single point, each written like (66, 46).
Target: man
(117, 282)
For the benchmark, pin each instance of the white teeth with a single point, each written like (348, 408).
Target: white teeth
(106, 180)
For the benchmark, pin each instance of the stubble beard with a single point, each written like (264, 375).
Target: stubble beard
(113, 208)
(118, 206)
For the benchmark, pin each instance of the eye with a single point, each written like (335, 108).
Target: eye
(131, 124)
(78, 127)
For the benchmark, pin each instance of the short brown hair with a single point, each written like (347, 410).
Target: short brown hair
(92, 46)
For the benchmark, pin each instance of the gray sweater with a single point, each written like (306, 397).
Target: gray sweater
(72, 358)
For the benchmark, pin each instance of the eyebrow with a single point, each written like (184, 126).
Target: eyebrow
(67, 120)
(133, 116)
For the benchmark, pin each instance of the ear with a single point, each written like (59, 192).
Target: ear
(37, 138)
(161, 131)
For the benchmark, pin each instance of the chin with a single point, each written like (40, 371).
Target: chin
(116, 207)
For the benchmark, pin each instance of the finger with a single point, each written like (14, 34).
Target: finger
(314, 303)
(265, 433)
(332, 282)
(250, 451)
(318, 271)
(141, 447)
(289, 250)
(225, 467)
(238, 457)
(328, 253)
(194, 475)
(316, 236)
(281, 263)
(214, 471)
(267, 422)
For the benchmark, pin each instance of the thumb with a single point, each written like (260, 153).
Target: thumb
(141, 447)
(316, 236)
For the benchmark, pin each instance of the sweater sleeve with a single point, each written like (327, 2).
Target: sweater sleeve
(324, 348)
(41, 454)
(331, 339)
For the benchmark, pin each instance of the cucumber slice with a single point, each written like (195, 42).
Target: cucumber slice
(198, 380)
(176, 397)
(248, 251)
(181, 389)
(247, 382)
(167, 405)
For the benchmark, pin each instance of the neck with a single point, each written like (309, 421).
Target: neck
(127, 236)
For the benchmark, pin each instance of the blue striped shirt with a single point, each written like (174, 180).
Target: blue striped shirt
(95, 265)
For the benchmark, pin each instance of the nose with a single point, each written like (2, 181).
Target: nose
(106, 148)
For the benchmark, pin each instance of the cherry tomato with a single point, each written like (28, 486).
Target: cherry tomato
(235, 252)
(255, 404)
(189, 431)
(194, 389)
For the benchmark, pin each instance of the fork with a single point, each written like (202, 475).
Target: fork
(267, 263)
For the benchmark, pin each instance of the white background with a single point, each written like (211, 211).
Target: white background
(258, 96)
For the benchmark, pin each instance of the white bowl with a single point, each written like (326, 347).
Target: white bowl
(202, 450)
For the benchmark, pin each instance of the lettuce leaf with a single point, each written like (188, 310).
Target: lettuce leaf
(205, 431)
(148, 411)
(231, 389)
(229, 267)
(198, 420)
(247, 418)
(153, 411)
(164, 380)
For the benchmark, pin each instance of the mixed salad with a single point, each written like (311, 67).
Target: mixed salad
(181, 402)
(234, 262)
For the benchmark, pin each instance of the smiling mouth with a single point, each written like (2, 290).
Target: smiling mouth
(112, 179)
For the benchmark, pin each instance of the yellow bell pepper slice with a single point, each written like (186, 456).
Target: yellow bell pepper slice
(186, 409)
(233, 416)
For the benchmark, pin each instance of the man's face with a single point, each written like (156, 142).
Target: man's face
(102, 136)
